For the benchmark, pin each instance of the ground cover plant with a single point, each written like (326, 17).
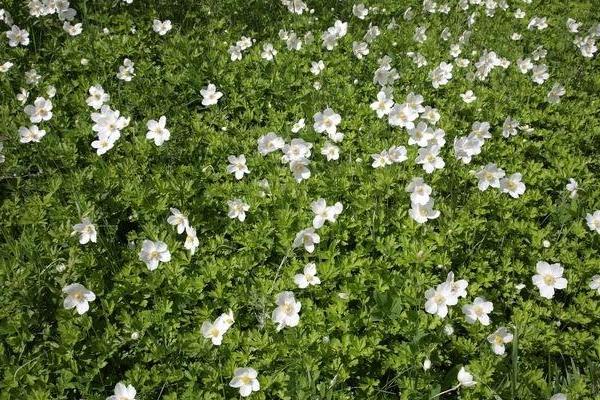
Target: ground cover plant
(287, 199)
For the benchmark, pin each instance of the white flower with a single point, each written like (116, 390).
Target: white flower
(459, 287)
(519, 14)
(72, 30)
(431, 115)
(330, 151)
(465, 147)
(415, 101)
(498, 339)
(307, 238)
(555, 94)
(462, 62)
(295, 6)
(419, 191)
(539, 73)
(64, 11)
(593, 221)
(385, 75)
(6, 66)
(420, 135)
(235, 52)
(286, 313)
(478, 311)
(397, 154)
(300, 169)
(510, 127)
(86, 231)
(293, 42)
(380, 160)
(548, 278)
(23, 95)
(441, 75)
(489, 176)
(269, 143)
(31, 134)
(572, 188)
(383, 105)
(123, 392)
(268, 52)
(420, 35)
(426, 364)
(191, 240)
(237, 209)
(465, 378)
(78, 297)
(299, 125)
(468, 96)
(32, 77)
(237, 166)
(126, 71)
(512, 185)
(360, 49)
(587, 45)
(430, 159)
(417, 58)
(326, 121)
(595, 283)
(157, 131)
(524, 65)
(360, 11)
(481, 131)
(402, 115)
(98, 97)
(17, 36)
(572, 25)
(538, 23)
(559, 396)
(41, 110)
(325, 213)
(421, 213)
(439, 299)
(448, 330)
(215, 330)
(153, 253)
(455, 50)
(438, 138)
(307, 277)
(309, 37)
(161, 27)
(178, 219)
(245, 378)
(104, 143)
(210, 95)
(339, 28)
(244, 43)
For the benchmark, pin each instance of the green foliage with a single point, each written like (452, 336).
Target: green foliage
(363, 332)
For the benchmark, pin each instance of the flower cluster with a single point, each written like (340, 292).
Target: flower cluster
(439, 45)
(215, 330)
(236, 50)
(182, 224)
(108, 124)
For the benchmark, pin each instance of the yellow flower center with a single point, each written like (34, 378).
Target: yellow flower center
(246, 380)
